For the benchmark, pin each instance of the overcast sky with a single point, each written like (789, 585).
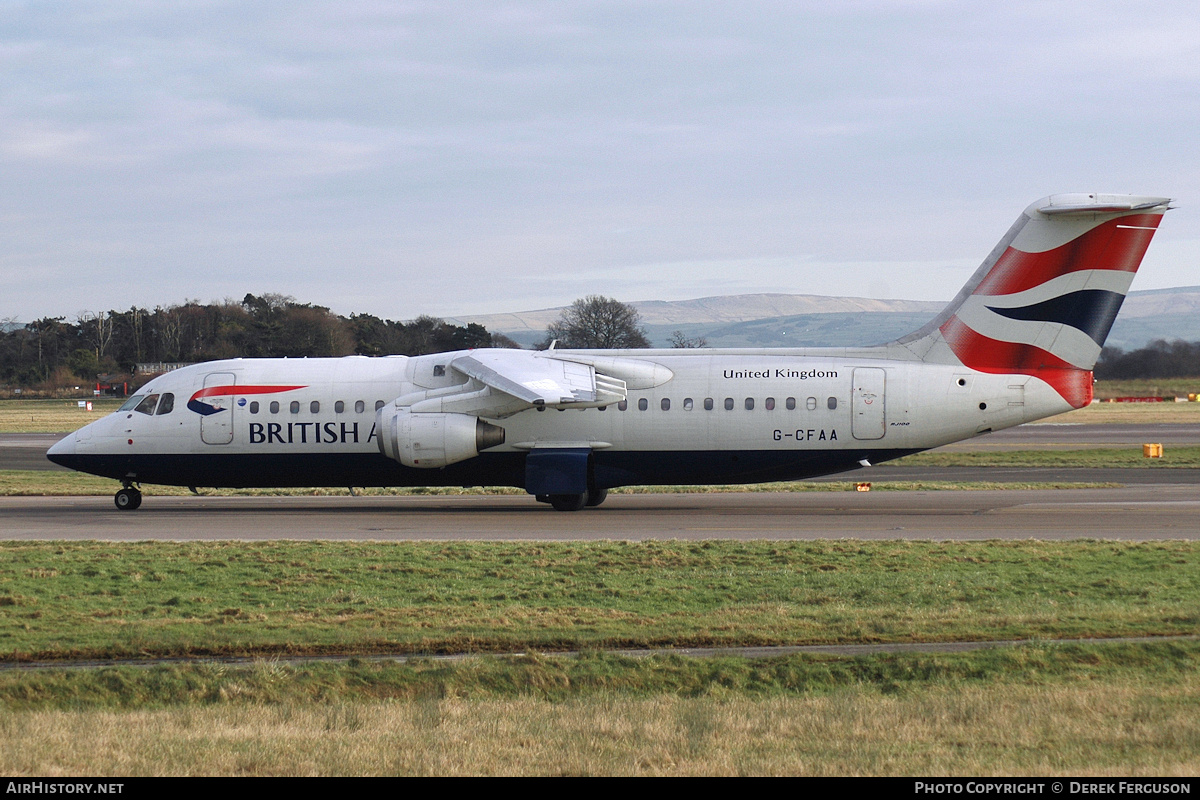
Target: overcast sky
(452, 158)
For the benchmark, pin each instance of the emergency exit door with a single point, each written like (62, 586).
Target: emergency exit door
(215, 405)
(869, 415)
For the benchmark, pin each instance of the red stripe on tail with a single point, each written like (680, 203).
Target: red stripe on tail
(984, 354)
(1112, 245)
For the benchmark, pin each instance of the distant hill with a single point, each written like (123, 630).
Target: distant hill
(1157, 314)
(1180, 300)
(711, 310)
(743, 320)
(802, 320)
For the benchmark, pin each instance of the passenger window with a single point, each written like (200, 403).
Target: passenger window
(665, 404)
(708, 404)
(166, 405)
(811, 404)
(790, 403)
(359, 406)
(622, 405)
(769, 404)
(379, 404)
(253, 406)
(643, 404)
(749, 403)
(339, 407)
(294, 407)
(274, 406)
(314, 407)
(147, 405)
(729, 404)
(832, 403)
(687, 404)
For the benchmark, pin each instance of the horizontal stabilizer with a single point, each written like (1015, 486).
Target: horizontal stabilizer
(1079, 203)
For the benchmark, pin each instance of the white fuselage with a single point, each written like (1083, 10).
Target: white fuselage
(829, 411)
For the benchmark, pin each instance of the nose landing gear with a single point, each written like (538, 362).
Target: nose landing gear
(128, 499)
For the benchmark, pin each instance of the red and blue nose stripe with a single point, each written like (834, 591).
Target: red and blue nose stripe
(205, 409)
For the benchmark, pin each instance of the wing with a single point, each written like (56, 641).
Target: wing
(500, 383)
(534, 379)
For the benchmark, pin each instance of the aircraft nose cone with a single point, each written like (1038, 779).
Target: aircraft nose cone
(62, 450)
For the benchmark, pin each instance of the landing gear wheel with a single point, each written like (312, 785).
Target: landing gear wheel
(596, 497)
(568, 502)
(128, 499)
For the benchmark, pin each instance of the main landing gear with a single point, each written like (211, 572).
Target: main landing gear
(128, 499)
(574, 502)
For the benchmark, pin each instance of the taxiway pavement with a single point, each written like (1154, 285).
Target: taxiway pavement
(1140, 513)
(1152, 503)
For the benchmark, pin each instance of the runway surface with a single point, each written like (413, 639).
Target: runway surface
(1152, 504)
(1168, 511)
(28, 451)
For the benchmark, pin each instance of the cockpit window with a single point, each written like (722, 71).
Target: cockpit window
(131, 403)
(147, 405)
(166, 405)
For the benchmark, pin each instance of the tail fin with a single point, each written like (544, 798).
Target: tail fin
(1043, 301)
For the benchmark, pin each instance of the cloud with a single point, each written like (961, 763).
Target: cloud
(408, 158)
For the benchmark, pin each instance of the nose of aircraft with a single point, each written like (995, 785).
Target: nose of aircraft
(64, 448)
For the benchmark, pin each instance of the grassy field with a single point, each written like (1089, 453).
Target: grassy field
(1156, 387)
(1114, 709)
(1129, 414)
(51, 416)
(1036, 709)
(88, 599)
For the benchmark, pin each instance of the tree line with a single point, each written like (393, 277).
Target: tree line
(1159, 359)
(53, 352)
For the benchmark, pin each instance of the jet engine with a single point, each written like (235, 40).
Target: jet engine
(428, 440)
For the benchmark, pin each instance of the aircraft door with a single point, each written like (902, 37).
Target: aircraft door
(868, 416)
(215, 406)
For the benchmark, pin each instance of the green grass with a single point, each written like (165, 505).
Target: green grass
(588, 674)
(51, 416)
(1104, 709)
(70, 600)
(1147, 387)
(1039, 708)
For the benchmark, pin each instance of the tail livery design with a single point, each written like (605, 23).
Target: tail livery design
(1042, 304)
